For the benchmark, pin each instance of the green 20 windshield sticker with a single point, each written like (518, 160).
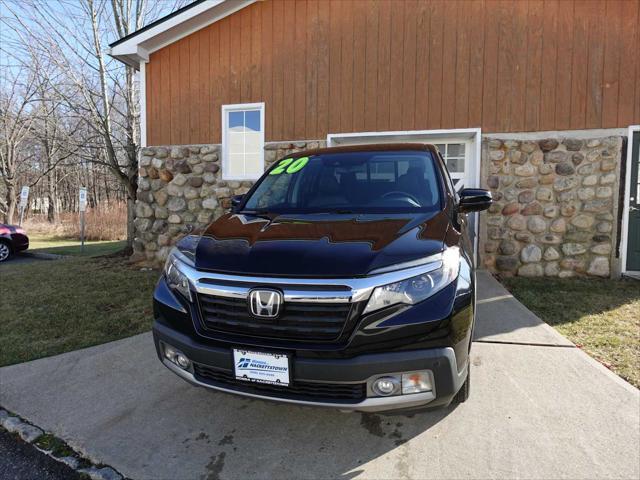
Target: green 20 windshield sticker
(289, 165)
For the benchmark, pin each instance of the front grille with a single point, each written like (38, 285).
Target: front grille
(298, 320)
(318, 392)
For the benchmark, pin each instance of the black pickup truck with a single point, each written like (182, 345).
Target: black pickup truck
(344, 278)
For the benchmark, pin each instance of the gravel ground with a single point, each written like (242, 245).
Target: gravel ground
(21, 460)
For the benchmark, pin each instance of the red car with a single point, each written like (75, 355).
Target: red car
(13, 239)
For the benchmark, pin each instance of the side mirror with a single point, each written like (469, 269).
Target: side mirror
(236, 200)
(474, 200)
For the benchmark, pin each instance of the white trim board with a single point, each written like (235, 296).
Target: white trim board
(624, 232)
(142, 79)
(138, 48)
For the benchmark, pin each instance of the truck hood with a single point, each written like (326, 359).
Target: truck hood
(317, 245)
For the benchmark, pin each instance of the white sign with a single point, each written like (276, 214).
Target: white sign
(83, 199)
(24, 196)
(261, 367)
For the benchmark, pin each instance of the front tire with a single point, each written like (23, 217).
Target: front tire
(463, 394)
(5, 251)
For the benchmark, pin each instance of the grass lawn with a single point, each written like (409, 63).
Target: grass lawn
(601, 316)
(65, 246)
(50, 307)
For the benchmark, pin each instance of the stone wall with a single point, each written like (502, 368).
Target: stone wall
(555, 206)
(181, 190)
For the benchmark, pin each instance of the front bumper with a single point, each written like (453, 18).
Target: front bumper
(359, 370)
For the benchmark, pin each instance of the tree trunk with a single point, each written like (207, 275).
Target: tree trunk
(131, 215)
(11, 203)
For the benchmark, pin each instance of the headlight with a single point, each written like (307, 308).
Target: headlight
(175, 278)
(418, 288)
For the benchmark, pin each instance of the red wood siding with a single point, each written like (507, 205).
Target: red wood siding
(325, 66)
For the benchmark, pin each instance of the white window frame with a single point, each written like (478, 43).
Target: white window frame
(226, 109)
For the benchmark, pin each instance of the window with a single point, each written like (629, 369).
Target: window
(455, 158)
(242, 141)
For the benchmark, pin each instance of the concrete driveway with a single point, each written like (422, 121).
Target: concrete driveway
(539, 408)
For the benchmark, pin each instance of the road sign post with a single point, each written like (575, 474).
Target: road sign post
(24, 201)
(82, 198)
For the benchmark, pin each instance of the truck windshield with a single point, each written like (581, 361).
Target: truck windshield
(358, 182)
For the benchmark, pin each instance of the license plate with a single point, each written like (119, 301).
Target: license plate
(261, 367)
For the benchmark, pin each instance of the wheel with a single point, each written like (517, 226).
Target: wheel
(5, 251)
(463, 393)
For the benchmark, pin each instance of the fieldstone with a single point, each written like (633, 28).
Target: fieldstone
(572, 264)
(495, 207)
(548, 144)
(144, 196)
(211, 157)
(165, 175)
(572, 249)
(190, 193)
(608, 179)
(551, 239)
(153, 172)
(506, 264)
(144, 184)
(607, 165)
(547, 179)
(564, 183)
(160, 197)
(586, 193)
(159, 226)
(207, 149)
(593, 156)
(157, 163)
(526, 196)
(551, 211)
(510, 208)
(182, 166)
(583, 222)
(495, 143)
(176, 204)
(160, 212)
(551, 254)
(143, 172)
(516, 156)
(527, 183)
(210, 203)
(528, 146)
(493, 181)
(604, 192)
(551, 269)
(601, 238)
(555, 157)
(599, 267)
(566, 196)
(144, 161)
(517, 222)
(533, 208)
(223, 192)
(494, 220)
(573, 144)
(174, 190)
(585, 169)
(531, 270)
(531, 254)
(197, 170)
(148, 151)
(143, 210)
(596, 205)
(565, 168)
(490, 247)
(566, 274)
(601, 249)
(494, 233)
(174, 218)
(507, 247)
(209, 177)
(211, 167)
(523, 237)
(510, 194)
(526, 170)
(194, 205)
(578, 236)
(161, 152)
(590, 180)
(193, 161)
(536, 224)
(594, 142)
(204, 217)
(604, 227)
(558, 226)
(163, 239)
(577, 159)
(195, 182)
(179, 179)
(536, 158)
(568, 210)
(544, 194)
(179, 152)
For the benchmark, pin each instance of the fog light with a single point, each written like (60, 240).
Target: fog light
(416, 382)
(182, 361)
(170, 353)
(386, 386)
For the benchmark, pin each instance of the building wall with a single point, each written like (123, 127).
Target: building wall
(180, 191)
(556, 205)
(365, 65)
